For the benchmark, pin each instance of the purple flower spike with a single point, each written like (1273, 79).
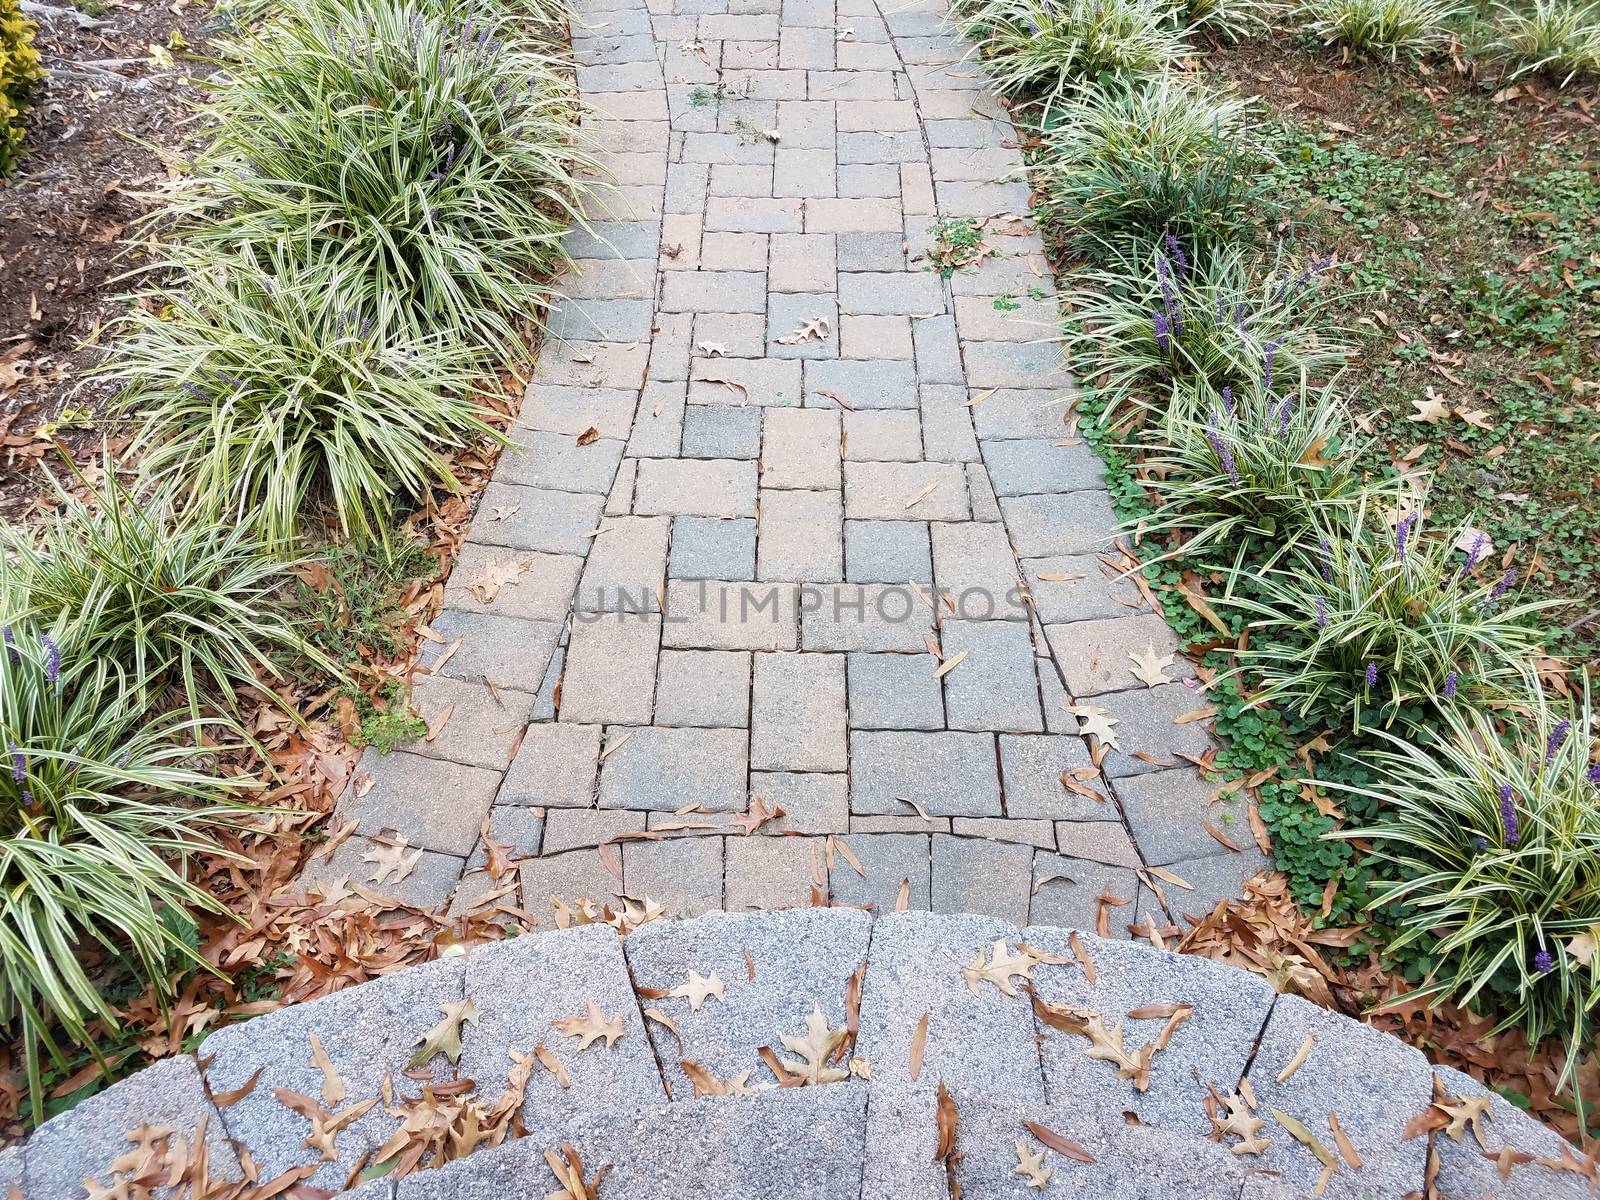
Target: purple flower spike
(1482, 843)
(1450, 682)
(1508, 814)
(1270, 357)
(52, 659)
(1479, 545)
(1283, 416)
(1227, 400)
(1322, 613)
(11, 647)
(1223, 451)
(1501, 588)
(1543, 963)
(1402, 533)
(1558, 739)
(1372, 674)
(1158, 322)
(1594, 773)
(19, 762)
(1326, 564)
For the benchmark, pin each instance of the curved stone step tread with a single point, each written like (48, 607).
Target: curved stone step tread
(850, 1140)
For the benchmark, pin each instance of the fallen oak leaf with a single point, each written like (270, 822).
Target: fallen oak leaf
(1148, 666)
(698, 989)
(332, 1086)
(1031, 1165)
(998, 969)
(814, 1049)
(590, 1027)
(445, 1036)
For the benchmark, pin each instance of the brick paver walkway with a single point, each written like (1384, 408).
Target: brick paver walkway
(774, 473)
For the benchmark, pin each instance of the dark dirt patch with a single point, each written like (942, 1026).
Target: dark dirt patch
(113, 116)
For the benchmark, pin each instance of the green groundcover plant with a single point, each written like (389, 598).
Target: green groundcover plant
(1391, 27)
(1160, 155)
(102, 805)
(1377, 625)
(177, 597)
(1492, 830)
(1223, 316)
(1558, 38)
(427, 157)
(267, 391)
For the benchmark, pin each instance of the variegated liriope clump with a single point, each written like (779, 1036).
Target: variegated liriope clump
(1492, 829)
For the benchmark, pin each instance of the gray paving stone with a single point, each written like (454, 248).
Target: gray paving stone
(504, 649)
(737, 381)
(993, 687)
(772, 872)
(984, 505)
(717, 431)
(879, 147)
(557, 462)
(683, 875)
(1056, 701)
(728, 615)
(867, 616)
(726, 1035)
(973, 567)
(429, 885)
(789, 314)
(910, 293)
(626, 567)
(1166, 810)
(797, 713)
(888, 435)
(927, 491)
(1346, 1057)
(800, 536)
(543, 591)
(554, 767)
(585, 828)
(368, 1032)
(520, 986)
(1097, 841)
(658, 424)
(869, 179)
(1078, 523)
(1093, 655)
(864, 383)
(868, 337)
(946, 426)
(730, 335)
(704, 687)
(602, 320)
(946, 774)
(1067, 892)
(888, 862)
(1465, 1169)
(555, 522)
(811, 802)
(609, 278)
(85, 1141)
(1021, 413)
(482, 723)
(868, 823)
(712, 548)
(627, 239)
(669, 350)
(801, 262)
(1006, 318)
(573, 876)
(1030, 467)
(1041, 834)
(887, 552)
(736, 251)
(436, 804)
(1078, 587)
(971, 875)
(1146, 726)
(895, 691)
(938, 351)
(611, 669)
(713, 291)
(740, 214)
(571, 410)
(872, 251)
(1032, 766)
(699, 487)
(664, 769)
(800, 448)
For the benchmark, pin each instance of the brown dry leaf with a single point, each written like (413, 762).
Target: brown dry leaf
(445, 1037)
(1239, 1122)
(493, 576)
(698, 988)
(1094, 721)
(332, 1086)
(919, 497)
(1031, 1165)
(760, 813)
(1149, 667)
(1305, 1137)
(1346, 1146)
(390, 862)
(324, 1125)
(814, 1049)
(589, 436)
(1432, 410)
(1194, 714)
(921, 812)
(567, 1167)
(849, 856)
(949, 1121)
(547, 1058)
(707, 1084)
(814, 327)
(902, 899)
(436, 726)
(919, 1046)
(229, 1098)
(590, 1027)
(1082, 956)
(1063, 1146)
(999, 969)
(1299, 1059)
